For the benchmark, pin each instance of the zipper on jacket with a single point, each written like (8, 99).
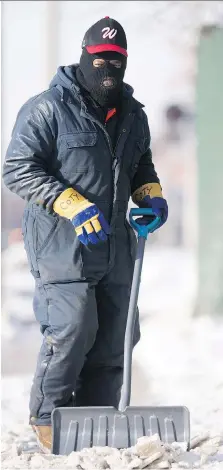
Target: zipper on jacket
(113, 151)
(117, 142)
(107, 137)
(123, 130)
(110, 148)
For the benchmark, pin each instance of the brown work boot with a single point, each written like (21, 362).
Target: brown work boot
(44, 437)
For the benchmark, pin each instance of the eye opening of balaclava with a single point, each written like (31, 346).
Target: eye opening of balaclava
(104, 83)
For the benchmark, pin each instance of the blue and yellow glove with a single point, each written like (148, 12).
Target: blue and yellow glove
(150, 195)
(88, 221)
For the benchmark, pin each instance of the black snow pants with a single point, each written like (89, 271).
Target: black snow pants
(82, 315)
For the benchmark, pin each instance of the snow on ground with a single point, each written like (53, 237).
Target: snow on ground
(178, 361)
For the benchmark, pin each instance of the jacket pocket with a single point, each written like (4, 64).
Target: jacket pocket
(46, 226)
(59, 254)
(82, 139)
(77, 154)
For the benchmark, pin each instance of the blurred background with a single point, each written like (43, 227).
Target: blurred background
(175, 66)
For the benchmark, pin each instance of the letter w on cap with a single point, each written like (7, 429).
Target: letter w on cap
(110, 33)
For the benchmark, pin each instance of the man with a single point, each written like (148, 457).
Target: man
(78, 152)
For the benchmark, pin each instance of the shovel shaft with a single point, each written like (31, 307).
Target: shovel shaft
(128, 346)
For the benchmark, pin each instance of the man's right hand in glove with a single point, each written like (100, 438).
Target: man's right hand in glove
(88, 221)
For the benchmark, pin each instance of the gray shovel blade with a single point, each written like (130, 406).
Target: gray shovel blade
(84, 427)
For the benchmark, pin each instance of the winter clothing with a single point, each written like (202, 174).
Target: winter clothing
(105, 40)
(89, 222)
(150, 195)
(112, 126)
(105, 35)
(159, 207)
(104, 80)
(149, 189)
(82, 292)
(56, 141)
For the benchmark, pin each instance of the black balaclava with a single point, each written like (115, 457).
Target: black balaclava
(95, 79)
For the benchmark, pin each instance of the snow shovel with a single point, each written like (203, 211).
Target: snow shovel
(75, 428)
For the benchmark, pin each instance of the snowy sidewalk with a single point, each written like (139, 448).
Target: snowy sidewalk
(179, 361)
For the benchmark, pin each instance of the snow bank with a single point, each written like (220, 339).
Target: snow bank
(148, 453)
(178, 361)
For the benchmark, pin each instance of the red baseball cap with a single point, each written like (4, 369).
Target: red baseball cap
(105, 35)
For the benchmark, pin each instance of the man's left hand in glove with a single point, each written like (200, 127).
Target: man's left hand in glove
(150, 196)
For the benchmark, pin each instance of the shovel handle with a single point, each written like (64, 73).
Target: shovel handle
(130, 326)
(143, 230)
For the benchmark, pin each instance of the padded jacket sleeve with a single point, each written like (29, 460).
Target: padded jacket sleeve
(25, 169)
(146, 172)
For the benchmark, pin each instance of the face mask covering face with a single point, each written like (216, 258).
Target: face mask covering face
(103, 76)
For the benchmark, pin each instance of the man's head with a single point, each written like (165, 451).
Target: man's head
(103, 60)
